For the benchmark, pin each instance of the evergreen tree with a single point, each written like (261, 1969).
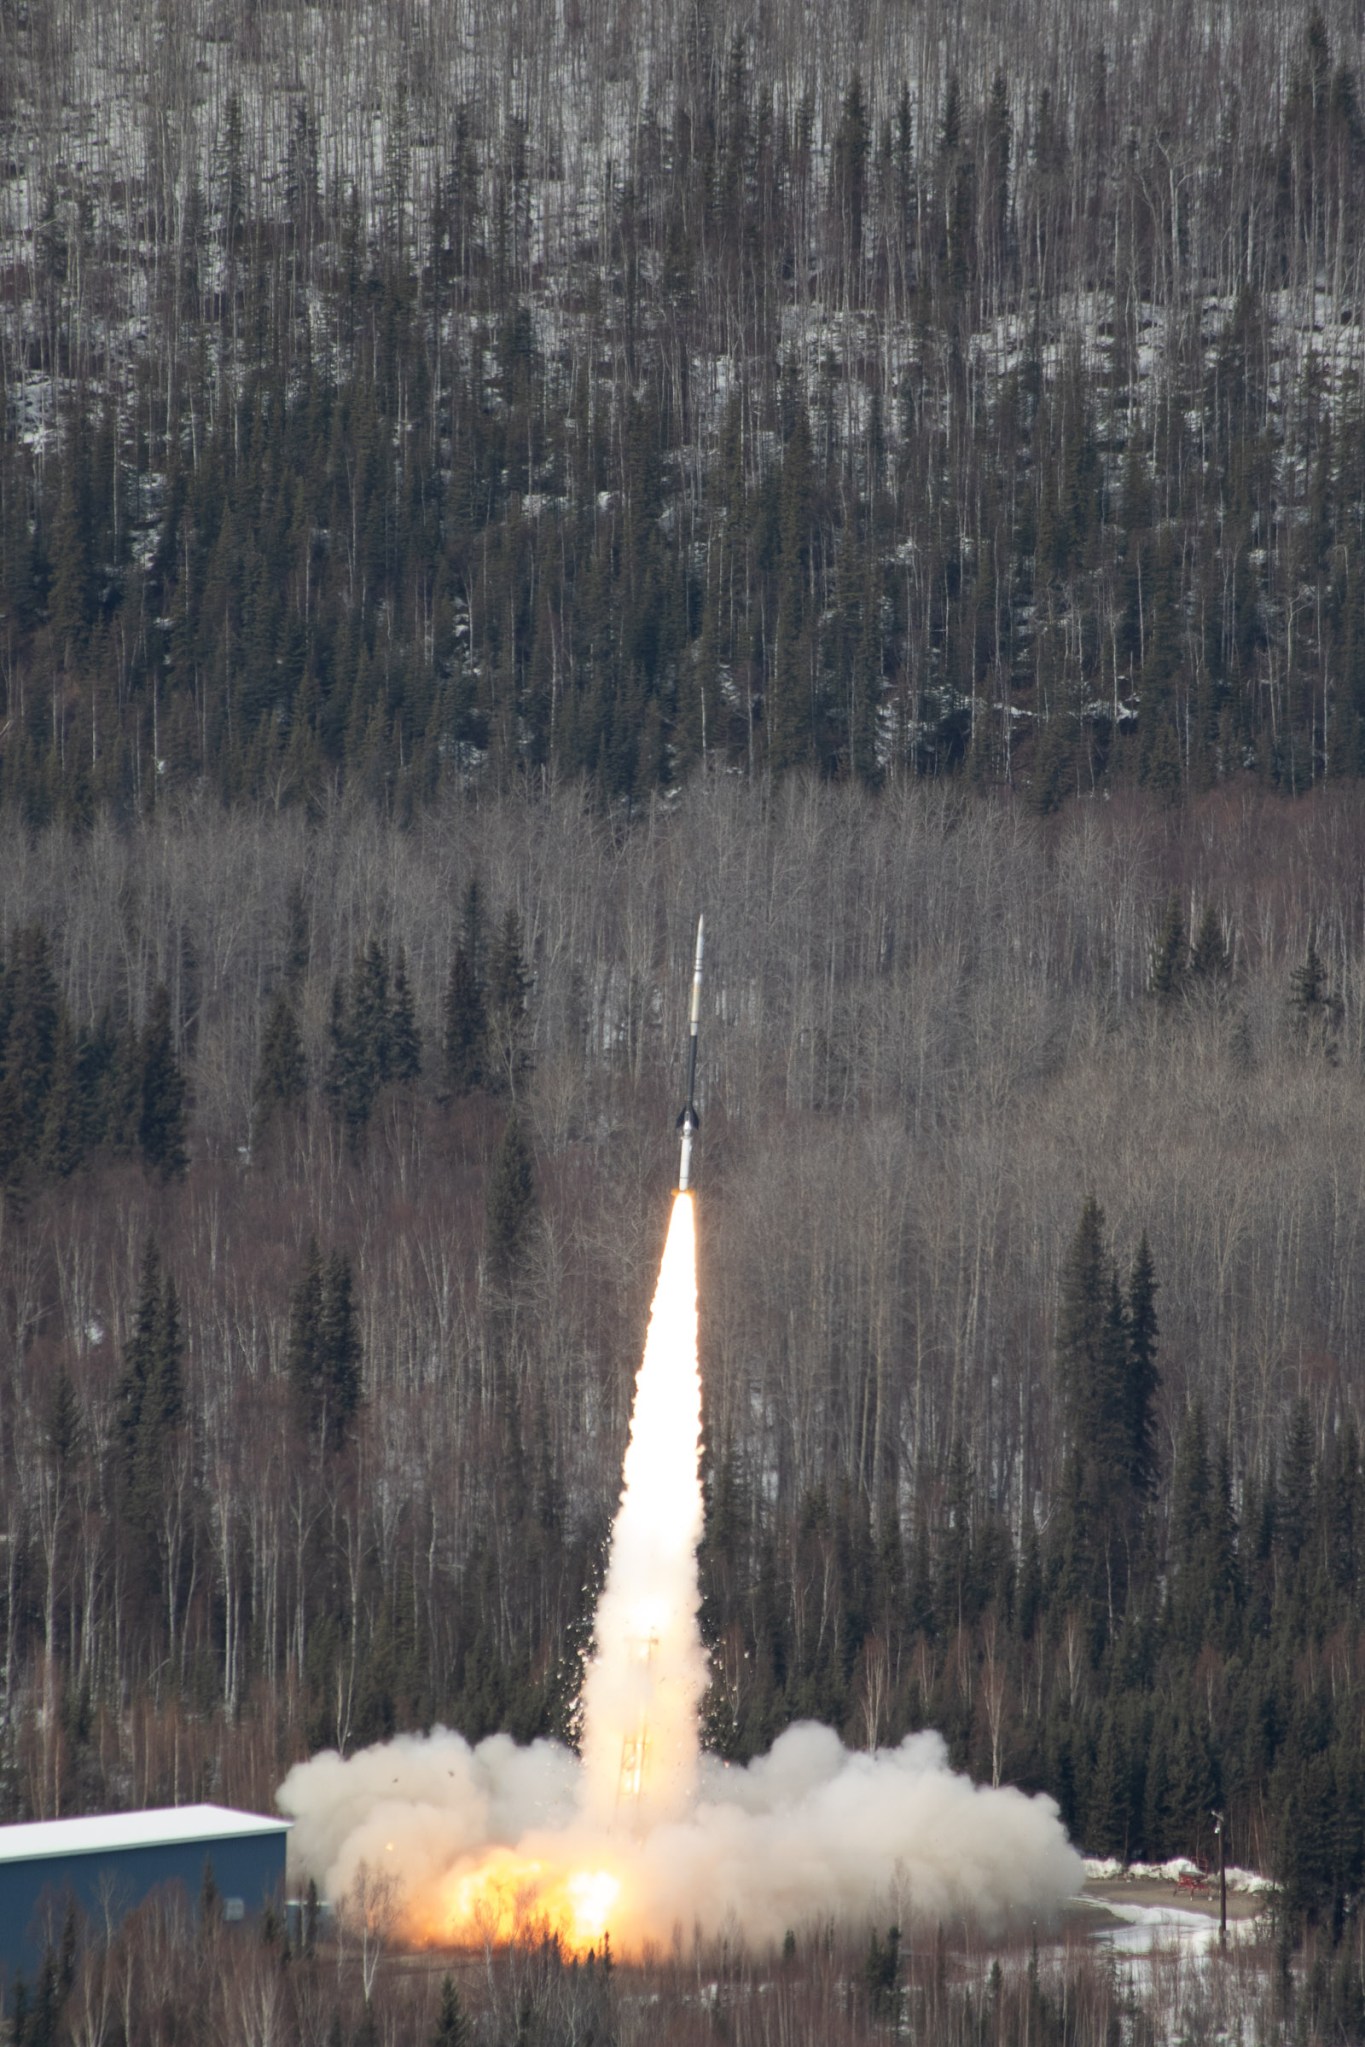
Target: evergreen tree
(339, 1352)
(149, 1407)
(996, 169)
(465, 1036)
(73, 587)
(1142, 1376)
(1191, 1518)
(452, 2027)
(1316, 1010)
(1296, 1487)
(64, 1122)
(161, 1094)
(511, 1207)
(63, 1428)
(1308, 983)
(1082, 1352)
(119, 1100)
(848, 175)
(303, 1355)
(282, 1075)
(297, 935)
(44, 2016)
(881, 1974)
(360, 1048)
(1108, 1388)
(33, 1012)
(370, 1020)
(405, 1043)
(789, 706)
(336, 1076)
(1108, 1811)
(1170, 954)
(323, 1356)
(509, 984)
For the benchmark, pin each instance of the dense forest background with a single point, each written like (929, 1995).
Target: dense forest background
(337, 1164)
(408, 397)
(479, 486)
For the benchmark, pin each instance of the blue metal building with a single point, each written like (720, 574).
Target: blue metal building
(112, 1861)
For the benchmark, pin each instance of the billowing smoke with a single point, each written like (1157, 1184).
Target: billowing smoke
(645, 1837)
(808, 1833)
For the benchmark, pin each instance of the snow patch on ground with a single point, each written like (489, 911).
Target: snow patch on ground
(1140, 1930)
(1108, 1869)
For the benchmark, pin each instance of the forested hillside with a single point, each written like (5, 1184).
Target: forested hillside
(404, 399)
(480, 484)
(336, 1167)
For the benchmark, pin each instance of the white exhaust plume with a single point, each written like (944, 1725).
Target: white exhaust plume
(644, 1685)
(645, 1838)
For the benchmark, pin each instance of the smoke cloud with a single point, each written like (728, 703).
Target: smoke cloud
(808, 1833)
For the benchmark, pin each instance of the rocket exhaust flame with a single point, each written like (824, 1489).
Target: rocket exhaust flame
(645, 1681)
(646, 1835)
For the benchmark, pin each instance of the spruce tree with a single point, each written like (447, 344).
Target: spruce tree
(34, 1011)
(338, 1352)
(1108, 1809)
(139, 1355)
(150, 1406)
(788, 704)
(302, 1351)
(1142, 1375)
(360, 1040)
(509, 984)
(1170, 954)
(13, 1152)
(370, 1022)
(1081, 1332)
(1308, 983)
(323, 1355)
(336, 1073)
(63, 1135)
(1296, 1490)
(511, 1206)
(474, 930)
(1316, 1010)
(465, 1038)
(161, 1105)
(297, 938)
(63, 1427)
(348, 1079)
(452, 2027)
(1107, 1400)
(72, 599)
(405, 1041)
(121, 1092)
(1191, 1493)
(282, 1075)
(881, 1974)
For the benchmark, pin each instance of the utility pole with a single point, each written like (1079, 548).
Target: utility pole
(1219, 1828)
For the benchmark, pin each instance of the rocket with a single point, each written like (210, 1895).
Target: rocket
(689, 1122)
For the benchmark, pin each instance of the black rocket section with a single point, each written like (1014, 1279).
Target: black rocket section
(689, 1122)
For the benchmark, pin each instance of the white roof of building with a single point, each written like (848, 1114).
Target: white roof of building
(102, 1833)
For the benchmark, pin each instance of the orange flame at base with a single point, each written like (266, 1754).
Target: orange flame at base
(510, 1896)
